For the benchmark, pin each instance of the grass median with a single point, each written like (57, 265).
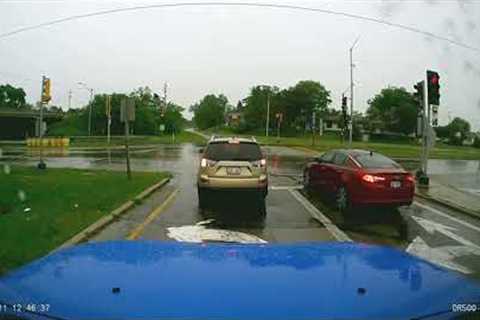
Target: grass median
(39, 210)
(394, 149)
(96, 141)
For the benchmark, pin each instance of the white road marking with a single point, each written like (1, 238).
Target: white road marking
(200, 233)
(439, 256)
(464, 223)
(286, 187)
(332, 228)
(474, 191)
(431, 227)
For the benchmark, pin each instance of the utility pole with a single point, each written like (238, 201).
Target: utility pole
(165, 104)
(90, 113)
(108, 113)
(69, 99)
(313, 128)
(351, 94)
(165, 88)
(268, 115)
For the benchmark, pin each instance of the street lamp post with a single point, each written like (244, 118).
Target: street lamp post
(351, 93)
(84, 86)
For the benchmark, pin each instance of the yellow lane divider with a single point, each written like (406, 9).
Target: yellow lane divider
(137, 232)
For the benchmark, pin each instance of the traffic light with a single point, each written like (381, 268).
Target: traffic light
(433, 87)
(46, 97)
(418, 94)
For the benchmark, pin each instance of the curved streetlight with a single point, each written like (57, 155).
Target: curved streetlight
(84, 86)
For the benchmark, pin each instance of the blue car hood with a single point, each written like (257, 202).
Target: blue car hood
(172, 280)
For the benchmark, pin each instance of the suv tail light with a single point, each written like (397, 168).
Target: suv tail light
(372, 178)
(207, 163)
(260, 163)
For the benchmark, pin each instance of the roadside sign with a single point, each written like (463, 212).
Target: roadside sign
(127, 110)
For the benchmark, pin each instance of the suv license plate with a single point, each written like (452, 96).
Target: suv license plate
(395, 184)
(233, 171)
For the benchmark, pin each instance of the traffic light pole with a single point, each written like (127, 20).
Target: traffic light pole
(423, 178)
(41, 164)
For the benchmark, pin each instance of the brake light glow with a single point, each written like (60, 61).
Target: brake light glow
(372, 179)
(410, 178)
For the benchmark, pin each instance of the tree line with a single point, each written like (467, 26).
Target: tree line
(149, 116)
(393, 110)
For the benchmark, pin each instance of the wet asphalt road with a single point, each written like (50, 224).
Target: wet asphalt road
(435, 233)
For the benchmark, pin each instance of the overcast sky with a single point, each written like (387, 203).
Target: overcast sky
(201, 50)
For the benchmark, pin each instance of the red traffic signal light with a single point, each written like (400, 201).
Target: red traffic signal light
(433, 81)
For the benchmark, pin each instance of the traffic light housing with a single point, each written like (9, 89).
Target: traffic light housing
(433, 88)
(418, 94)
(46, 86)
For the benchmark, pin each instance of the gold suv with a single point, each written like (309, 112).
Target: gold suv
(231, 164)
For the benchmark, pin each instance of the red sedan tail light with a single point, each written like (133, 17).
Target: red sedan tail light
(372, 178)
(410, 178)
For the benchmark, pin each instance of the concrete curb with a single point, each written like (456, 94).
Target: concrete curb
(450, 205)
(83, 235)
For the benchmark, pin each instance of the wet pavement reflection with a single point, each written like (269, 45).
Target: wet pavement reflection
(288, 220)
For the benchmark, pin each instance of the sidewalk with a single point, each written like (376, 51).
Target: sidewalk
(452, 197)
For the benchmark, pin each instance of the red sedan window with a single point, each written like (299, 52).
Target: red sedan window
(375, 160)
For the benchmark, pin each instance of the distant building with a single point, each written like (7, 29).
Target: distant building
(233, 118)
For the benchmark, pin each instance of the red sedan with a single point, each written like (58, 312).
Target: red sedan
(359, 177)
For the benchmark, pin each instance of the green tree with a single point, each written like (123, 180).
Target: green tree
(476, 141)
(300, 101)
(172, 118)
(458, 130)
(11, 97)
(148, 116)
(395, 109)
(255, 106)
(210, 111)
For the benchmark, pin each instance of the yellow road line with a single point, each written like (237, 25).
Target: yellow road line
(137, 232)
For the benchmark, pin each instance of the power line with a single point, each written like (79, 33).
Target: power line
(240, 4)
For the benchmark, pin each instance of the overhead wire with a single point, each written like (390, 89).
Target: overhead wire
(239, 4)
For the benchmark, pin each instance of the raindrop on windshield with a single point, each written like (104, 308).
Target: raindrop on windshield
(21, 195)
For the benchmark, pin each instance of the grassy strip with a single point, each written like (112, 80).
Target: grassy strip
(391, 149)
(40, 210)
(182, 137)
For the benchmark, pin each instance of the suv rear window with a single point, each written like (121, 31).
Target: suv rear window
(224, 151)
(375, 160)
